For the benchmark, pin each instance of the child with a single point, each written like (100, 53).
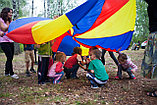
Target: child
(126, 65)
(73, 63)
(28, 48)
(56, 70)
(97, 74)
(44, 53)
(89, 53)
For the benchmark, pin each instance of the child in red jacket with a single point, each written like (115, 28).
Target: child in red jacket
(73, 63)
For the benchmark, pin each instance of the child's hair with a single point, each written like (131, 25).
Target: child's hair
(97, 53)
(122, 57)
(77, 50)
(59, 56)
(92, 48)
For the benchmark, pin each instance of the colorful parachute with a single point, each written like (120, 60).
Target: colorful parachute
(106, 24)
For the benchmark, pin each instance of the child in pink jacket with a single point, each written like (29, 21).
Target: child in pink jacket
(56, 70)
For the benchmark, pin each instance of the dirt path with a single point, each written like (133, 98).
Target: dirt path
(76, 91)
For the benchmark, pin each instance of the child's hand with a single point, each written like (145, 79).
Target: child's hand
(1, 34)
(84, 57)
(119, 49)
(88, 60)
(92, 71)
(37, 45)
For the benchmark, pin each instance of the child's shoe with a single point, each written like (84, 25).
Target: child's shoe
(116, 77)
(133, 78)
(28, 74)
(32, 70)
(59, 83)
(15, 76)
(94, 87)
(7, 75)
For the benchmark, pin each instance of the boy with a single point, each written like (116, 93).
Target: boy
(28, 48)
(97, 74)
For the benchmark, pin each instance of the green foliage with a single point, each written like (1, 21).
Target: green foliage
(141, 25)
(1, 50)
(22, 4)
(62, 6)
(21, 48)
(5, 95)
(5, 3)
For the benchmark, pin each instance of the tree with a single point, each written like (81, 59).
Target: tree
(32, 8)
(141, 25)
(14, 9)
(48, 8)
(44, 9)
(5, 3)
(59, 7)
(15, 16)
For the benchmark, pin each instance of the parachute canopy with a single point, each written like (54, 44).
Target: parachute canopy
(107, 24)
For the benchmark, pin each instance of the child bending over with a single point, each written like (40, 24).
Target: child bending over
(126, 65)
(56, 70)
(73, 63)
(97, 74)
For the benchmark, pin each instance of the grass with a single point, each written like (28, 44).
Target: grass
(6, 95)
(26, 91)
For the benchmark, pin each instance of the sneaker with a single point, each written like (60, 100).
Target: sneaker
(101, 85)
(28, 74)
(6, 74)
(94, 87)
(15, 76)
(32, 70)
(116, 77)
(59, 83)
(133, 78)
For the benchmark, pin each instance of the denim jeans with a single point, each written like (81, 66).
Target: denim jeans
(128, 70)
(57, 77)
(94, 81)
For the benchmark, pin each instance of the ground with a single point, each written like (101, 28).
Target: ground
(26, 91)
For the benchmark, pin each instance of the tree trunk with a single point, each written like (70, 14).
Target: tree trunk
(14, 9)
(44, 9)
(48, 8)
(17, 49)
(32, 8)
(16, 45)
(18, 8)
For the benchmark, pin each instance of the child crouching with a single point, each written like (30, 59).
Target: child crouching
(126, 65)
(56, 70)
(97, 74)
(73, 63)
